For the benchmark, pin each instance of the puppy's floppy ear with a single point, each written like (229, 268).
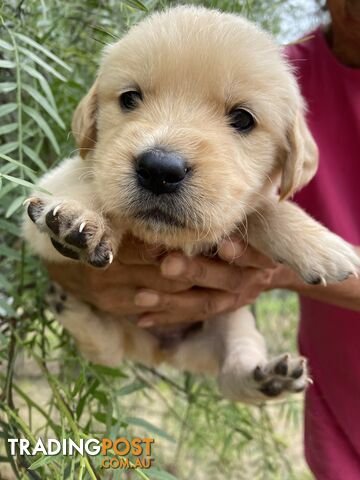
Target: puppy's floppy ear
(84, 122)
(300, 161)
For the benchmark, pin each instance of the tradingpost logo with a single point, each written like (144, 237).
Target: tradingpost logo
(115, 452)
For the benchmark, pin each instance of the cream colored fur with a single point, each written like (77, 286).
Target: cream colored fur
(192, 66)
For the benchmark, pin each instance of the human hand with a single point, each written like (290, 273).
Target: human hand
(220, 285)
(113, 290)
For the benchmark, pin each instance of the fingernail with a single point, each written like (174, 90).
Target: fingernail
(145, 322)
(173, 266)
(146, 299)
(230, 250)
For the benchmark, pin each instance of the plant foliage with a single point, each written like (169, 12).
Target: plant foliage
(48, 59)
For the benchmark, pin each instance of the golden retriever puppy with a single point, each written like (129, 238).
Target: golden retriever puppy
(193, 129)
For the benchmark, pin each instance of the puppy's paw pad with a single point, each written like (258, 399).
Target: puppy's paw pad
(35, 208)
(64, 250)
(272, 388)
(102, 256)
(53, 220)
(281, 375)
(63, 218)
(74, 231)
(77, 238)
(56, 298)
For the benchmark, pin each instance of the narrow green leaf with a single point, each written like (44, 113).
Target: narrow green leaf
(32, 177)
(155, 474)
(44, 460)
(19, 181)
(131, 388)
(34, 157)
(103, 418)
(7, 64)
(6, 45)
(137, 4)
(6, 87)
(7, 168)
(40, 61)
(9, 253)
(9, 227)
(79, 383)
(8, 147)
(7, 188)
(102, 397)
(15, 162)
(10, 127)
(149, 427)
(43, 125)
(7, 308)
(24, 183)
(81, 404)
(44, 50)
(7, 108)
(14, 206)
(110, 371)
(42, 80)
(4, 282)
(41, 100)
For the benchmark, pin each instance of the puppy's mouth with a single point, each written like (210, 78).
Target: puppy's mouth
(157, 216)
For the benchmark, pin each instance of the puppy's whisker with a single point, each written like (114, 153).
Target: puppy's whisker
(78, 150)
(255, 211)
(263, 197)
(270, 179)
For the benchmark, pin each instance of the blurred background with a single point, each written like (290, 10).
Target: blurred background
(49, 52)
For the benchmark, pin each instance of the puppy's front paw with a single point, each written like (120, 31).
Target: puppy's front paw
(325, 259)
(75, 232)
(273, 379)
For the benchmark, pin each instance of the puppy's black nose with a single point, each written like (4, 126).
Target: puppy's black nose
(160, 171)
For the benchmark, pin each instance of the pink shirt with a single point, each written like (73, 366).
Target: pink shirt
(330, 336)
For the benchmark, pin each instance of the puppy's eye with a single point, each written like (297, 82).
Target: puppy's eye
(241, 120)
(130, 100)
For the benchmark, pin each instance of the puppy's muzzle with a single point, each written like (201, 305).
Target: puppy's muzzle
(161, 171)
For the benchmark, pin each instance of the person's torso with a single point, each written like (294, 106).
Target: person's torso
(330, 336)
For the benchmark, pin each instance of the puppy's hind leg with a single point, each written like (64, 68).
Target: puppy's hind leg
(99, 338)
(232, 348)
(246, 374)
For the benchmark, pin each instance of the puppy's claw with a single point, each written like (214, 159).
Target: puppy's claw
(259, 375)
(29, 200)
(111, 258)
(82, 226)
(56, 209)
(34, 208)
(323, 281)
(272, 388)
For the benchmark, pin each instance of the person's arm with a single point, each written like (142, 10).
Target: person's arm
(345, 294)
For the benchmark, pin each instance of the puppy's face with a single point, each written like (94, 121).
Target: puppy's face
(193, 117)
